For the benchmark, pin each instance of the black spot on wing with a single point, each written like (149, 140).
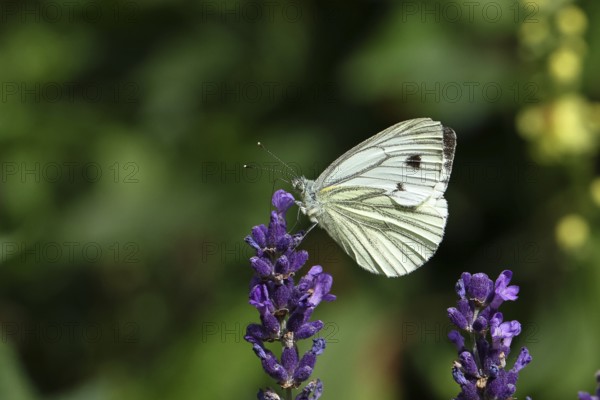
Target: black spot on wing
(449, 149)
(449, 142)
(414, 161)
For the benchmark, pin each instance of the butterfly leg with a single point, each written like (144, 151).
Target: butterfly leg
(297, 220)
(309, 229)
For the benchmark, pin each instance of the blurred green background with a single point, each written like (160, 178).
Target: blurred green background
(124, 127)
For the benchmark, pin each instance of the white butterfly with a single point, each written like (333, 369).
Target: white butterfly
(383, 200)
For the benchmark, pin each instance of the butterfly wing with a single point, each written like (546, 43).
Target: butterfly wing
(410, 161)
(380, 235)
(382, 201)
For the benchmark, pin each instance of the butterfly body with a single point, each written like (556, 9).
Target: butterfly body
(309, 205)
(382, 201)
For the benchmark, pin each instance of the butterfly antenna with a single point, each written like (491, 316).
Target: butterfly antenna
(272, 170)
(291, 172)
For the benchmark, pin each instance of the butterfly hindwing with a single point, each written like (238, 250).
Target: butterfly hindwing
(377, 233)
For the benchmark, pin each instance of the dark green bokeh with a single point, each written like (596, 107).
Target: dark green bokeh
(124, 128)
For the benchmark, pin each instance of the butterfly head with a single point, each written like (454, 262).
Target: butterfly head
(309, 204)
(299, 183)
(305, 187)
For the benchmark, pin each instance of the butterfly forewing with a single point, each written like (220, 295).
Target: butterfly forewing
(409, 161)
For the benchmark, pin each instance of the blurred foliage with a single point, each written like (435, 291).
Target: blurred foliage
(124, 127)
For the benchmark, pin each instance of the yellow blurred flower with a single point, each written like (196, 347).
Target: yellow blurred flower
(571, 20)
(535, 34)
(569, 126)
(560, 127)
(530, 122)
(565, 122)
(572, 231)
(565, 64)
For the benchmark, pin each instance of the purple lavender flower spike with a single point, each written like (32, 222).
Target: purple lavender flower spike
(587, 396)
(480, 369)
(285, 308)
